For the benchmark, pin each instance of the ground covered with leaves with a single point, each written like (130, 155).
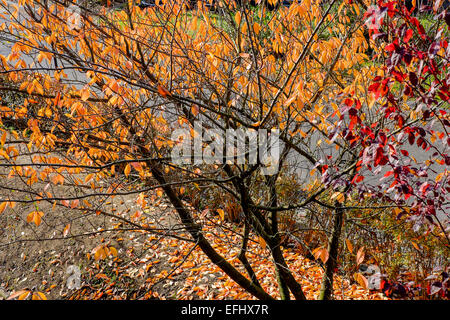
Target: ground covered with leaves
(130, 265)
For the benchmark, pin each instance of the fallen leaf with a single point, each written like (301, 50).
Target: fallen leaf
(362, 281)
(349, 245)
(66, 230)
(360, 256)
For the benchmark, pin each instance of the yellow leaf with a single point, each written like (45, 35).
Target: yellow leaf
(113, 251)
(38, 296)
(48, 112)
(339, 196)
(100, 253)
(24, 295)
(438, 178)
(42, 295)
(221, 214)
(356, 7)
(127, 170)
(3, 207)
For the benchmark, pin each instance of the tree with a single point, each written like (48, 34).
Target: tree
(107, 89)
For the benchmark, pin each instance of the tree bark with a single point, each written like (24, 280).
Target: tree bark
(326, 289)
(284, 289)
(243, 258)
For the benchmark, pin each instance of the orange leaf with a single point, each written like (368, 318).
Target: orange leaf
(163, 91)
(24, 295)
(3, 139)
(195, 110)
(66, 230)
(88, 177)
(237, 18)
(349, 245)
(57, 99)
(113, 251)
(38, 296)
(35, 216)
(256, 27)
(324, 255)
(262, 242)
(321, 253)
(100, 254)
(361, 280)
(290, 100)
(84, 94)
(3, 207)
(127, 170)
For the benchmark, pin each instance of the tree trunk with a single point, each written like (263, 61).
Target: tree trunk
(284, 289)
(202, 242)
(333, 248)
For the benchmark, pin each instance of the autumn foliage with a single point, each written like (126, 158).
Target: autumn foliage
(359, 91)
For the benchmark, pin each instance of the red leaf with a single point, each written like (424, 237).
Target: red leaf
(411, 138)
(348, 102)
(423, 187)
(390, 47)
(380, 158)
(399, 76)
(413, 78)
(408, 36)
